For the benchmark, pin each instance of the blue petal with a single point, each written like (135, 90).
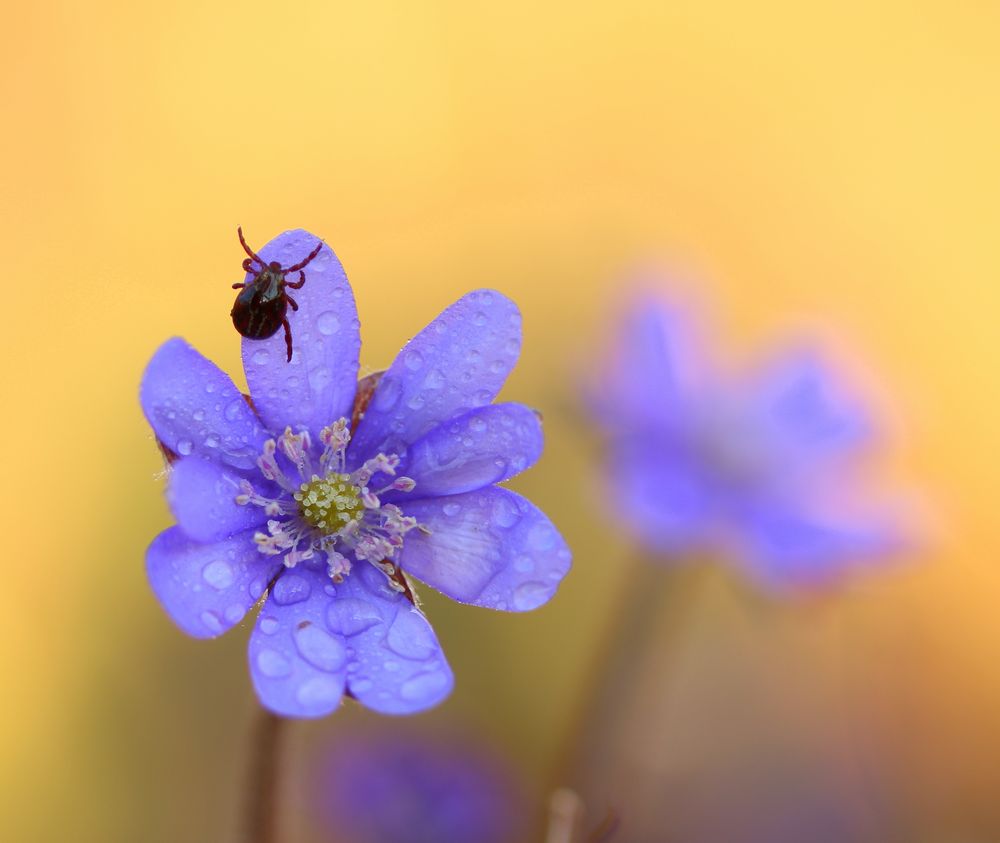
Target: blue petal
(207, 588)
(662, 492)
(489, 548)
(202, 496)
(298, 665)
(194, 408)
(653, 368)
(786, 545)
(805, 410)
(457, 363)
(317, 386)
(397, 666)
(477, 449)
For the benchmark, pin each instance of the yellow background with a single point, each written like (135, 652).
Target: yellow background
(805, 165)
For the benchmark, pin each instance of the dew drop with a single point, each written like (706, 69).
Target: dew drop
(327, 323)
(185, 447)
(218, 574)
(413, 360)
(512, 347)
(234, 409)
(234, 613)
(498, 367)
(416, 402)
(212, 622)
(319, 378)
(209, 388)
(423, 686)
(505, 512)
(451, 509)
(479, 319)
(319, 648)
(410, 637)
(350, 616)
(542, 537)
(198, 415)
(386, 394)
(477, 424)
(273, 665)
(524, 563)
(212, 442)
(435, 379)
(531, 595)
(291, 588)
(361, 686)
(261, 357)
(268, 625)
(318, 691)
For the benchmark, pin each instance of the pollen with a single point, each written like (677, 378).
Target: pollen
(330, 503)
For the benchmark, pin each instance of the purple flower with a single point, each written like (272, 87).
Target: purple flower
(315, 495)
(754, 466)
(404, 788)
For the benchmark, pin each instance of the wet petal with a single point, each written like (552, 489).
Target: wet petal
(317, 386)
(805, 409)
(207, 588)
(457, 363)
(489, 548)
(653, 369)
(194, 408)
(787, 545)
(477, 449)
(202, 496)
(397, 666)
(662, 492)
(298, 665)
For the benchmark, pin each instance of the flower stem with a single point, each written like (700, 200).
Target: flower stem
(260, 801)
(644, 637)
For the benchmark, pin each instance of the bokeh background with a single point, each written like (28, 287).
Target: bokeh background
(807, 167)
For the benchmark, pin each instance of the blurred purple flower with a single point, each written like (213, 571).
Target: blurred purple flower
(696, 462)
(412, 789)
(284, 493)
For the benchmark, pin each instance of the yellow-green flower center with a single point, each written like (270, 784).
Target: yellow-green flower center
(329, 503)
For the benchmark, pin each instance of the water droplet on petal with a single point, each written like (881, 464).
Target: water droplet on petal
(327, 323)
(218, 574)
(524, 563)
(198, 415)
(269, 625)
(505, 512)
(291, 588)
(451, 509)
(185, 447)
(234, 613)
(477, 424)
(261, 357)
(542, 537)
(318, 692)
(319, 378)
(531, 595)
(212, 442)
(234, 409)
(212, 622)
(319, 648)
(350, 616)
(423, 686)
(410, 636)
(479, 319)
(273, 665)
(413, 360)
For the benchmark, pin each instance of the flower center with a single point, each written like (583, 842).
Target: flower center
(329, 503)
(329, 511)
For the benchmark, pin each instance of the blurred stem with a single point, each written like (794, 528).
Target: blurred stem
(260, 800)
(653, 589)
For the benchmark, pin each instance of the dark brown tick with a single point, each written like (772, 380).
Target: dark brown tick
(261, 305)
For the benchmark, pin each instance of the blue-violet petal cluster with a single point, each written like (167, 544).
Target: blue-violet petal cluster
(316, 496)
(756, 466)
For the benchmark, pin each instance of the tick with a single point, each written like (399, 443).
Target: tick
(261, 306)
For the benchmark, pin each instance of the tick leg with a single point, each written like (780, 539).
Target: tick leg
(301, 264)
(239, 285)
(246, 248)
(292, 302)
(247, 265)
(288, 338)
(299, 283)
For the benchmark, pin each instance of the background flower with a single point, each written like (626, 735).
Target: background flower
(338, 616)
(404, 786)
(757, 466)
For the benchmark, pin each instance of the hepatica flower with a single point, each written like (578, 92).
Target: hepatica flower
(318, 497)
(400, 788)
(755, 466)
